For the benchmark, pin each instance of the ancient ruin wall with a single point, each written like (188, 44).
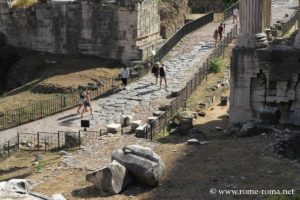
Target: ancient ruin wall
(122, 30)
(266, 79)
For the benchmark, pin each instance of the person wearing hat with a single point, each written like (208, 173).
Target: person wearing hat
(155, 71)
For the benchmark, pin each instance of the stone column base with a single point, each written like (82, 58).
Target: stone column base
(240, 114)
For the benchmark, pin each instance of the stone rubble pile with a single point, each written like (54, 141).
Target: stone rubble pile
(131, 163)
(20, 189)
(287, 144)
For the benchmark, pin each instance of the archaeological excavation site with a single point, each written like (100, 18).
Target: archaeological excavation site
(149, 99)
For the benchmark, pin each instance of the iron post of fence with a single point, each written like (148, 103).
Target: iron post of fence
(58, 138)
(8, 148)
(38, 141)
(79, 137)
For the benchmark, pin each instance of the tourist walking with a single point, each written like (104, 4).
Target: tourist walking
(235, 15)
(216, 33)
(221, 31)
(124, 76)
(81, 99)
(87, 103)
(163, 75)
(155, 71)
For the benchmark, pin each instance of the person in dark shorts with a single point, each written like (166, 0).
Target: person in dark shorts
(235, 15)
(163, 75)
(81, 99)
(87, 103)
(125, 76)
(216, 33)
(221, 31)
(155, 71)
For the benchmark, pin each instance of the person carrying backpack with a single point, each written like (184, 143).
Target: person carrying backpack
(155, 71)
(221, 30)
(163, 75)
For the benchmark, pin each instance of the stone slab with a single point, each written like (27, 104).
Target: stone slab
(113, 128)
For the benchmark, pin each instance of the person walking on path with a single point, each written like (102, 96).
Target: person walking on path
(163, 75)
(221, 31)
(124, 76)
(81, 99)
(216, 33)
(155, 71)
(235, 16)
(87, 103)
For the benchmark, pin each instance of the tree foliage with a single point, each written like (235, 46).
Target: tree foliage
(229, 2)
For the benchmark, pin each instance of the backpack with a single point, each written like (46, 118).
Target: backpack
(216, 32)
(81, 94)
(153, 70)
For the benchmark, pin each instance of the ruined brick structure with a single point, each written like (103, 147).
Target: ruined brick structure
(265, 78)
(125, 29)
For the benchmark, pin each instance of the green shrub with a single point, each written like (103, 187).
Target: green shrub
(215, 65)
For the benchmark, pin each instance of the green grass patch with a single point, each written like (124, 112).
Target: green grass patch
(215, 65)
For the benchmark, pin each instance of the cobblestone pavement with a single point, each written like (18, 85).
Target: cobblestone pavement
(141, 98)
(282, 7)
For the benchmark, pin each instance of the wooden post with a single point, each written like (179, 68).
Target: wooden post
(58, 142)
(19, 113)
(38, 140)
(18, 137)
(41, 109)
(79, 139)
(8, 148)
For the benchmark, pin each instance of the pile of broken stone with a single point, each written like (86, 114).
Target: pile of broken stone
(129, 164)
(20, 189)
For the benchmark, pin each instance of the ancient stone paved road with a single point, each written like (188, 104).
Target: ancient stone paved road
(142, 97)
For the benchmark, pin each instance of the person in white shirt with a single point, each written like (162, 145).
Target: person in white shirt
(235, 15)
(124, 76)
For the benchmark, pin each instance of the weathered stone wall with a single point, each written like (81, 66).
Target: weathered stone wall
(121, 30)
(268, 77)
(297, 39)
(172, 14)
(265, 79)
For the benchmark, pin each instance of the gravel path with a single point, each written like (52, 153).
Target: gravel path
(142, 97)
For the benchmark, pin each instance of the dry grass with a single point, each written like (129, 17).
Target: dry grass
(23, 3)
(194, 16)
(22, 99)
(52, 79)
(20, 164)
(212, 79)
